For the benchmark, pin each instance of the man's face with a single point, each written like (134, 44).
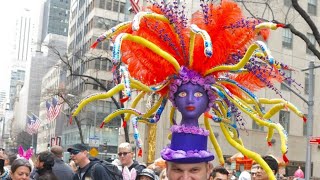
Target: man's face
(78, 156)
(197, 171)
(220, 176)
(260, 173)
(125, 156)
(39, 164)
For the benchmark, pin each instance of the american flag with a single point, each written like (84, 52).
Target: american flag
(135, 6)
(53, 109)
(33, 124)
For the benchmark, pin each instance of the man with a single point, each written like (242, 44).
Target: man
(219, 173)
(88, 169)
(60, 168)
(44, 164)
(194, 171)
(126, 158)
(261, 173)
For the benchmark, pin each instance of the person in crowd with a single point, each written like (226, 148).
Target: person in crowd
(219, 173)
(62, 170)
(4, 171)
(261, 173)
(20, 170)
(44, 164)
(147, 174)
(88, 168)
(245, 175)
(163, 175)
(126, 158)
(9, 158)
(73, 166)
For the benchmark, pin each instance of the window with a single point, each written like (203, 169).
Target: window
(255, 126)
(287, 38)
(287, 2)
(306, 83)
(312, 7)
(286, 80)
(115, 6)
(102, 4)
(313, 42)
(97, 64)
(284, 120)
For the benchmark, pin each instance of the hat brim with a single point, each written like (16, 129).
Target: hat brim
(71, 149)
(146, 174)
(191, 160)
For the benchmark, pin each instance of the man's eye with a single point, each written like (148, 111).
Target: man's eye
(182, 94)
(177, 170)
(194, 170)
(198, 94)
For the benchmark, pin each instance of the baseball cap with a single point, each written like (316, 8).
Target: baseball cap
(147, 172)
(79, 147)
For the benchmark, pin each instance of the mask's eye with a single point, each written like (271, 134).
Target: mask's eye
(182, 94)
(198, 94)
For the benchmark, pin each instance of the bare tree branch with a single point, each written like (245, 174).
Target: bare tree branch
(308, 20)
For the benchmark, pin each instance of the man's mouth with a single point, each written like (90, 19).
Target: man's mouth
(190, 108)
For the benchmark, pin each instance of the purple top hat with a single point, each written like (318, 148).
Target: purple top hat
(188, 145)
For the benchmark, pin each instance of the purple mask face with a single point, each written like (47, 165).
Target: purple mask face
(191, 100)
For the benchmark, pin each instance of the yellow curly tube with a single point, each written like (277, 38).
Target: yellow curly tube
(235, 134)
(134, 103)
(172, 110)
(248, 153)
(154, 48)
(137, 18)
(270, 134)
(106, 95)
(214, 141)
(276, 101)
(255, 102)
(154, 108)
(255, 116)
(97, 96)
(269, 25)
(237, 66)
(118, 112)
(273, 110)
(110, 32)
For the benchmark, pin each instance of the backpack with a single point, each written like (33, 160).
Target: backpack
(111, 169)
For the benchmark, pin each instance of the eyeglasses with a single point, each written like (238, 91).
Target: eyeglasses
(123, 153)
(74, 152)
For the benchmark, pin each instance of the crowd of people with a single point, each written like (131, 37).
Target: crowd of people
(49, 165)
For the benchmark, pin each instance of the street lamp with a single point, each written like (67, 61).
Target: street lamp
(309, 122)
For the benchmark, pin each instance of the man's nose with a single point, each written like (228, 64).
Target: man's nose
(185, 176)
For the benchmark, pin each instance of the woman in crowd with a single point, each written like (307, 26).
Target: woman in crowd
(20, 170)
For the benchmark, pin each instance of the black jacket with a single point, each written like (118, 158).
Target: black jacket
(99, 172)
(137, 166)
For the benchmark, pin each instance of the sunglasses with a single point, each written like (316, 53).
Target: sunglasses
(74, 152)
(123, 153)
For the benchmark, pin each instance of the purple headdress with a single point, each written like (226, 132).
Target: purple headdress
(185, 76)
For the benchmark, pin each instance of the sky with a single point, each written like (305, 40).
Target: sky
(8, 14)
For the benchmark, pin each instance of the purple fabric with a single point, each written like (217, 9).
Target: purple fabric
(187, 141)
(189, 129)
(188, 145)
(180, 156)
(185, 75)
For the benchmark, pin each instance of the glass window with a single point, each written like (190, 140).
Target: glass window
(286, 80)
(109, 5)
(115, 6)
(122, 7)
(287, 38)
(97, 64)
(313, 42)
(284, 120)
(287, 2)
(312, 7)
(102, 4)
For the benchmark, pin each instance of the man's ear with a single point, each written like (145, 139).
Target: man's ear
(209, 169)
